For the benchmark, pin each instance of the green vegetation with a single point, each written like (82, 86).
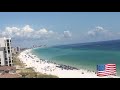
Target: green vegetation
(28, 72)
(16, 61)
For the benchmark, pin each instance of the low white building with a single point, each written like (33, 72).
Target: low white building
(15, 50)
(6, 58)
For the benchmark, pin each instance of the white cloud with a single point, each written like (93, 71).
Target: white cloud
(3, 34)
(51, 32)
(99, 33)
(28, 32)
(42, 31)
(91, 33)
(28, 36)
(99, 28)
(27, 29)
(17, 34)
(67, 34)
(10, 31)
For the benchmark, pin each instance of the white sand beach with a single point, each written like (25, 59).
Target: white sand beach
(47, 67)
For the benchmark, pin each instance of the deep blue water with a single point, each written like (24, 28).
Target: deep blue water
(83, 55)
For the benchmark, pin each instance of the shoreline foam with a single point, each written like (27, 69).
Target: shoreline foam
(51, 68)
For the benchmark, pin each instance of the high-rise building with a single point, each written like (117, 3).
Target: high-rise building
(6, 58)
(18, 49)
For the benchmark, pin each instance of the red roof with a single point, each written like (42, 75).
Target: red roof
(7, 75)
(7, 68)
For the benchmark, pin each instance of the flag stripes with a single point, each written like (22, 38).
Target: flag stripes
(105, 70)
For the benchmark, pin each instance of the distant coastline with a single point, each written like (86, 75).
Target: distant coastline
(86, 56)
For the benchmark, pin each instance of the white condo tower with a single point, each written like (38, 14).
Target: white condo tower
(6, 58)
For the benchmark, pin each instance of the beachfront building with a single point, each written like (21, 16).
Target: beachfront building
(18, 49)
(6, 58)
(15, 50)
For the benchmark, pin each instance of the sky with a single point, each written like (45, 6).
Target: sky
(56, 28)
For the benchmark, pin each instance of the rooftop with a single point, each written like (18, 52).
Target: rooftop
(7, 75)
(7, 68)
(4, 38)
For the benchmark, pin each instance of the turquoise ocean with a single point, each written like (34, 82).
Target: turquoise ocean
(83, 55)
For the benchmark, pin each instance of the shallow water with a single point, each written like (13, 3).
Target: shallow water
(86, 56)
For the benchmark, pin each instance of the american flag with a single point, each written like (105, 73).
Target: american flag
(106, 69)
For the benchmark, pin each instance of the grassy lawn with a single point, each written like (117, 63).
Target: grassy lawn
(28, 72)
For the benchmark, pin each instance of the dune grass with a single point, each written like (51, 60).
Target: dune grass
(28, 72)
